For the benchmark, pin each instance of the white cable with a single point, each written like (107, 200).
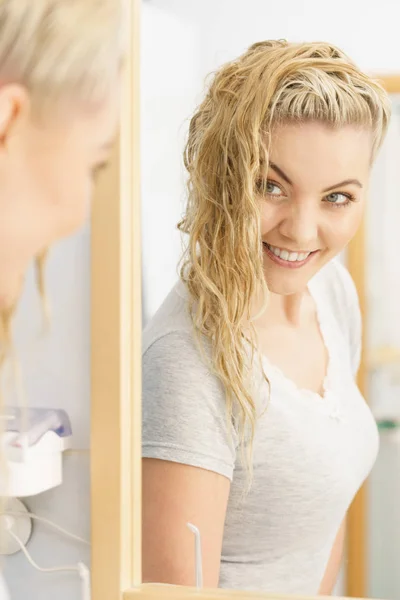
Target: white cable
(80, 568)
(50, 523)
(32, 562)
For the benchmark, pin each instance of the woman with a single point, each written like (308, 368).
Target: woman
(60, 64)
(59, 70)
(254, 429)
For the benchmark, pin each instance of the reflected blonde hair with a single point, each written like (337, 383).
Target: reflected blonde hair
(274, 82)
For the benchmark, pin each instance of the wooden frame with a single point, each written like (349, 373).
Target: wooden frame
(391, 83)
(357, 539)
(356, 583)
(116, 373)
(116, 352)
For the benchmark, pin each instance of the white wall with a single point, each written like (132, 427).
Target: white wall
(170, 72)
(56, 373)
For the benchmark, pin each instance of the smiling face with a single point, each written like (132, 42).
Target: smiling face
(312, 199)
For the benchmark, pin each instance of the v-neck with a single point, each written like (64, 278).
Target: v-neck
(270, 367)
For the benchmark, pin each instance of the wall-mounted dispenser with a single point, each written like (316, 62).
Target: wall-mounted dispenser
(33, 443)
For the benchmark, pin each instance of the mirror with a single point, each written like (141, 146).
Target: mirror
(201, 44)
(171, 87)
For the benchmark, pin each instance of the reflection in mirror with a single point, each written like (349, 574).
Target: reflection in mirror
(254, 429)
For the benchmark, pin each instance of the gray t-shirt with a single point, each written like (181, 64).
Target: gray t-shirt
(311, 452)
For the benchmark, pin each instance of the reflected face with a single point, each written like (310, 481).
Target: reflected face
(47, 172)
(312, 199)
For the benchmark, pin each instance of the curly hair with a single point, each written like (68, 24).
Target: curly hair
(274, 82)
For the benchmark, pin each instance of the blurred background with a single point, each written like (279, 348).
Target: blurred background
(182, 42)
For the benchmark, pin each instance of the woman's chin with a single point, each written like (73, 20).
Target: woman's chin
(287, 280)
(282, 289)
(286, 284)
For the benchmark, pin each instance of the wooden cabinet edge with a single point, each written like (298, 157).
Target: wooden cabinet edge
(116, 351)
(155, 592)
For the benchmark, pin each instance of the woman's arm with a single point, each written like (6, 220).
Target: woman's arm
(332, 570)
(174, 494)
(189, 455)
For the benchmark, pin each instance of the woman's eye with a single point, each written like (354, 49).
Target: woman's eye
(338, 199)
(269, 188)
(272, 189)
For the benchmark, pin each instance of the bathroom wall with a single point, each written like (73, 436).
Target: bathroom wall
(56, 373)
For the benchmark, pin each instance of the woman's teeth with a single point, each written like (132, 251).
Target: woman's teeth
(289, 256)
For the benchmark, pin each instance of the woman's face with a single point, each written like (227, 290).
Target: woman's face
(47, 171)
(313, 199)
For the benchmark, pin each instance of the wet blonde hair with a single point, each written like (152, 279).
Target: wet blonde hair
(60, 51)
(273, 82)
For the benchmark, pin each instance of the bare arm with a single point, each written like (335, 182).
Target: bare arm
(332, 570)
(174, 494)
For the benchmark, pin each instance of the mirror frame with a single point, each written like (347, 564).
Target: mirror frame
(116, 314)
(116, 323)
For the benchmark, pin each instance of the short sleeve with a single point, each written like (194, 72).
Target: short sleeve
(184, 409)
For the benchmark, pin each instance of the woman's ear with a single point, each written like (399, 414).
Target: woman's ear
(14, 108)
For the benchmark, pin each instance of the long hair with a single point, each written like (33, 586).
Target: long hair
(228, 144)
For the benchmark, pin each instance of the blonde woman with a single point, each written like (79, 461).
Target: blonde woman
(60, 63)
(59, 72)
(254, 429)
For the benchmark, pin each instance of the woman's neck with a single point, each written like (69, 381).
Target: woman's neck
(293, 310)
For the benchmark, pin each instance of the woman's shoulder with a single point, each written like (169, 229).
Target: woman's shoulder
(172, 354)
(183, 402)
(171, 321)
